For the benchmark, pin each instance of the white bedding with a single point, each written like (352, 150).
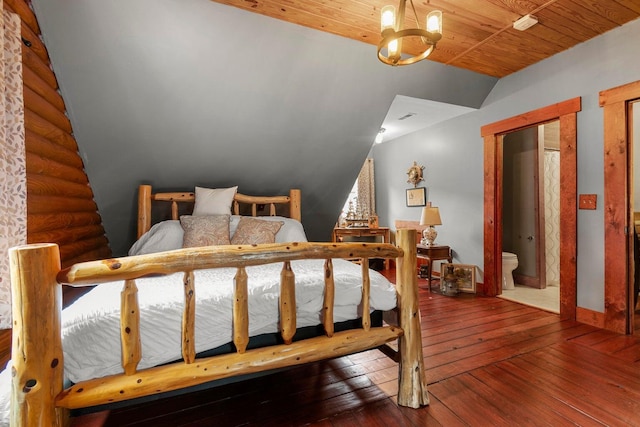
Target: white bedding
(91, 326)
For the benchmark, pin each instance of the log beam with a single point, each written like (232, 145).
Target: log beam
(37, 356)
(412, 384)
(218, 256)
(117, 388)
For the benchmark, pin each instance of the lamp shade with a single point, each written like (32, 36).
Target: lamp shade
(430, 216)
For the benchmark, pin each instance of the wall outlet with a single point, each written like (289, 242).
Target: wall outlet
(587, 201)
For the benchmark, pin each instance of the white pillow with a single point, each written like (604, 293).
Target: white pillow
(214, 201)
(168, 235)
(163, 236)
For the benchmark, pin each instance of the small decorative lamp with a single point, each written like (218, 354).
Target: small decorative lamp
(430, 216)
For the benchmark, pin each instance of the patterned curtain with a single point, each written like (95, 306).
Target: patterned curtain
(552, 216)
(367, 189)
(13, 181)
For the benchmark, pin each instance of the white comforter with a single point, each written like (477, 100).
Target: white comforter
(91, 325)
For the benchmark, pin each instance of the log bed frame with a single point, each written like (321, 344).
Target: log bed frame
(38, 397)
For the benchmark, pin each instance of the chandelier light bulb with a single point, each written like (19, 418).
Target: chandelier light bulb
(393, 48)
(434, 22)
(388, 18)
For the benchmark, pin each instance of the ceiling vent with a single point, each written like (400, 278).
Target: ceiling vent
(525, 22)
(406, 116)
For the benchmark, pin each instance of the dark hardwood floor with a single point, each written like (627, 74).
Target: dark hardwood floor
(488, 362)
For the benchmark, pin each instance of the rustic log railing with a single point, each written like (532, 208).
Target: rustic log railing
(37, 395)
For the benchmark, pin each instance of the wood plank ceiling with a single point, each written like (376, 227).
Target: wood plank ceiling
(477, 34)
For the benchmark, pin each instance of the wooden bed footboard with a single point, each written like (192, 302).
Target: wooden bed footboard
(38, 398)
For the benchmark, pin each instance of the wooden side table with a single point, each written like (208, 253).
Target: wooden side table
(340, 233)
(433, 253)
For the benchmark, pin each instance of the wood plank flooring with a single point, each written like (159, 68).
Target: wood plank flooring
(488, 362)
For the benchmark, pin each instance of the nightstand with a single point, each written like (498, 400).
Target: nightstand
(383, 232)
(433, 253)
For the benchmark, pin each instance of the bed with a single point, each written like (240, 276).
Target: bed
(290, 302)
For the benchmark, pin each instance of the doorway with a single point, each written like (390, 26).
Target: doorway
(620, 126)
(522, 206)
(531, 214)
(565, 112)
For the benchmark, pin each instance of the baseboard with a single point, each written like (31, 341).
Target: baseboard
(590, 317)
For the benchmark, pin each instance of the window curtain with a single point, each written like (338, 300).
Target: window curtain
(13, 180)
(367, 189)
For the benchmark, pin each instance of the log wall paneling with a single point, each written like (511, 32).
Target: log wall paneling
(39, 165)
(60, 204)
(46, 148)
(56, 221)
(42, 88)
(25, 12)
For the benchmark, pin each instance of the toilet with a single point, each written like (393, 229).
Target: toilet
(509, 263)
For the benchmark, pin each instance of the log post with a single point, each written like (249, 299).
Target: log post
(329, 298)
(130, 327)
(287, 303)
(366, 295)
(189, 318)
(37, 359)
(174, 210)
(241, 311)
(295, 197)
(412, 385)
(144, 209)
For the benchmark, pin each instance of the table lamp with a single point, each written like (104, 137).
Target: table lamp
(430, 216)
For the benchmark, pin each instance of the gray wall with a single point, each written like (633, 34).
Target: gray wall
(452, 151)
(178, 93)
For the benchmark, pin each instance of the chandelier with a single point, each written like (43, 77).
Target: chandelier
(393, 33)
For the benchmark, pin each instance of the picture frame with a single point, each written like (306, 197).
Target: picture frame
(465, 276)
(417, 196)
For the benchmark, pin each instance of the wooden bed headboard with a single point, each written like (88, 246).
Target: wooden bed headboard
(146, 197)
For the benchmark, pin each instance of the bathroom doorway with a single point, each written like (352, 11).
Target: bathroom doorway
(565, 112)
(531, 214)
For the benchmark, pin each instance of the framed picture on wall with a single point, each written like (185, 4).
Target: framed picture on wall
(463, 274)
(417, 196)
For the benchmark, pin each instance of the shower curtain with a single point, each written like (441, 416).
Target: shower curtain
(552, 216)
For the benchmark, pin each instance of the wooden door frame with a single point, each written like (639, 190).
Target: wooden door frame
(566, 113)
(618, 299)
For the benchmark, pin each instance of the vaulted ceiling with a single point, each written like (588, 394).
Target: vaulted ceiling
(477, 34)
(194, 92)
